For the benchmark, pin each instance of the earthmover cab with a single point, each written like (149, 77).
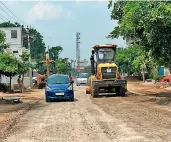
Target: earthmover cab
(46, 68)
(105, 77)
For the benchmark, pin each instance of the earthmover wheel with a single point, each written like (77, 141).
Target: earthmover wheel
(120, 91)
(40, 86)
(95, 93)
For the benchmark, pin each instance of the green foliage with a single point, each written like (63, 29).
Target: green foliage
(8, 64)
(37, 44)
(2, 37)
(63, 66)
(2, 40)
(25, 56)
(147, 23)
(24, 64)
(154, 74)
(54, 52)
(134, 60)
(129, 59)
(9, 24)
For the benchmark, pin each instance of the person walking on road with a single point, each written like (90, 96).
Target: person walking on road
(92, 63)
(70, 77)
(20, 83)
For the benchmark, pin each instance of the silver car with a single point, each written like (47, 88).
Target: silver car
(82, 79)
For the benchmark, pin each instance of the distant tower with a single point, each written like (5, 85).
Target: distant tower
(78, 51)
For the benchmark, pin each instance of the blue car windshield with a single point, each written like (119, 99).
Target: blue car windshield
(58, 79)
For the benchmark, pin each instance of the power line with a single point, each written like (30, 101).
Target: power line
(7, 13)
(12, 12)
(4, 17)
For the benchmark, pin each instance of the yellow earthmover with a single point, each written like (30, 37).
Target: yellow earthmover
(105, 77)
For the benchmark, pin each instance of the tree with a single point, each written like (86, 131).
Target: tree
(2, 37)
(9, 24)
(54, 52)
(24, 64)
(11, 66)
(25, 56)
(147, 23)
(63, 66)
(8, 65)
(134, 60)
(37, 46)
(2, 40)
(126, 59)
(143, 69)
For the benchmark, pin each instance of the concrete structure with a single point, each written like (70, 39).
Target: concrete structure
(14, 38)
(164, 71)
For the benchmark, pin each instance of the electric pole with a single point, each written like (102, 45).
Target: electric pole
(48, 49)
(78, 51)
(28, 39)
(48, 46)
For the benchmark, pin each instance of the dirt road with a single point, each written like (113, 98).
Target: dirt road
(111, 119)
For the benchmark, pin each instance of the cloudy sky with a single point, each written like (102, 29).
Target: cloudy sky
(58, 22)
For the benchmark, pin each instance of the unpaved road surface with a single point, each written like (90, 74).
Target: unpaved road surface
(105, 119)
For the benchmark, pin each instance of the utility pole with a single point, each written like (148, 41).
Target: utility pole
(74, 65)
(28, 39)
(48, 49)
(48, 46)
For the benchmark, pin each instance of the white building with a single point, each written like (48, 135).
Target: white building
(14, 38)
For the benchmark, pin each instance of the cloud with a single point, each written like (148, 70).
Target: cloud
(102, 1)
(46, 11)
(80, 2)
(68, 15)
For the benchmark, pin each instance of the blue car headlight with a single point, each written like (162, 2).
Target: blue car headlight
(47, 88)
(70, 87)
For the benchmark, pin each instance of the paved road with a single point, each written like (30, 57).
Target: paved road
(111, 119)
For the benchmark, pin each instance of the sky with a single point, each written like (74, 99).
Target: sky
(58, 22)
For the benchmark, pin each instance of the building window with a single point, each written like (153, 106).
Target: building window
(13, 33)
(15, 52)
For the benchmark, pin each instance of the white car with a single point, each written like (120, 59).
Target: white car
(82, 79)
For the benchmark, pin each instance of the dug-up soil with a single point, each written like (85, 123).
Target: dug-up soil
(142, 116)
(10, 112)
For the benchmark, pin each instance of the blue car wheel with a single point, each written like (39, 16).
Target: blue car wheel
(47, 99)
(72, 99)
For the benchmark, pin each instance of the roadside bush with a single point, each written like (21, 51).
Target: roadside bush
(158, 78)
(154, 74)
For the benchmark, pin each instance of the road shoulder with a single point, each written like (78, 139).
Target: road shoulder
(10, 112)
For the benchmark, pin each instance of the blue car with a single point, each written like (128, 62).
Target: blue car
(59, 87)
